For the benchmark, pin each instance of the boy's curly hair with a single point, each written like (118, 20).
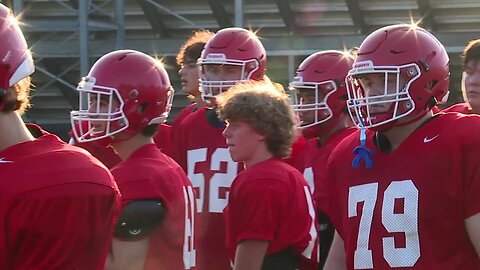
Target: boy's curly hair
(471, 51)
(266, 109)
(192, 48)
(18, 97)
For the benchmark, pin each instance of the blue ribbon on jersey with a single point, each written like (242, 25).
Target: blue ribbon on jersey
(362, 152)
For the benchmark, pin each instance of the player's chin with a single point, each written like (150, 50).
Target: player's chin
(378, 110)
(234, 154)
(379, 120)
(189, 89)
(378, 116)
(375, 120)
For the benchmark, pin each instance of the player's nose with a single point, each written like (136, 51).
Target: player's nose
(226, 133)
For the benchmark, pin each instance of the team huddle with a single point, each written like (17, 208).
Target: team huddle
(352, 167)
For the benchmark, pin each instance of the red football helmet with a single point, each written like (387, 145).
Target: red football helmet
(414, 66)
(16, 59)
(126, 90)
(319, 87)
(237, 47)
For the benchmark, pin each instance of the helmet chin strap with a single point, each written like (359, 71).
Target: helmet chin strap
(362, 152)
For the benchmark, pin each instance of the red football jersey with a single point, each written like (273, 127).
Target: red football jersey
(105, 154)
(459, 108)
(176, 123)
(58, 207)
(408, 210)
(296, 158)
(183, 114)
(271, 201)
(150, 174)
(203, 153)
(163, 139)
(315, 163)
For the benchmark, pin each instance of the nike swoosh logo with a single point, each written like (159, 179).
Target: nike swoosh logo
(2, 160)
(427, 140)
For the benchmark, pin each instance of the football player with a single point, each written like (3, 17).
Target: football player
(470, 80)
(270, 214)
(189, 72)
(128, 95)
(392, 203)
(189, 75)
(58, 204)
(320, 97)
(230, 56)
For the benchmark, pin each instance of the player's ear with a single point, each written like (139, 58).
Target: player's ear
(260, 137)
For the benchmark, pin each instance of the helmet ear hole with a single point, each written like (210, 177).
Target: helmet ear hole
(339, 83)
(142, 107)
(424, 65)
(431, 84)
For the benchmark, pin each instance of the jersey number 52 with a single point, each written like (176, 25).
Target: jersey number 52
(217, 181)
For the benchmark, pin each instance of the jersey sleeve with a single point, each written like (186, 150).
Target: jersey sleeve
(255, 213)
(48, 229)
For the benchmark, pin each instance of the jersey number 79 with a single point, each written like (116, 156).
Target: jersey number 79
(406, 222)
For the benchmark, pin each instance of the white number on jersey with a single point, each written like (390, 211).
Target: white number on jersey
(308, 252)
(217, 181)
(406, 222)
(189, 253)
(308, 175)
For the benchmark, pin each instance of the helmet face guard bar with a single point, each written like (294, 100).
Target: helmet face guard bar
(322, 110)
(102, 121)
(398, 100)
(163, 117)
(212, 88)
